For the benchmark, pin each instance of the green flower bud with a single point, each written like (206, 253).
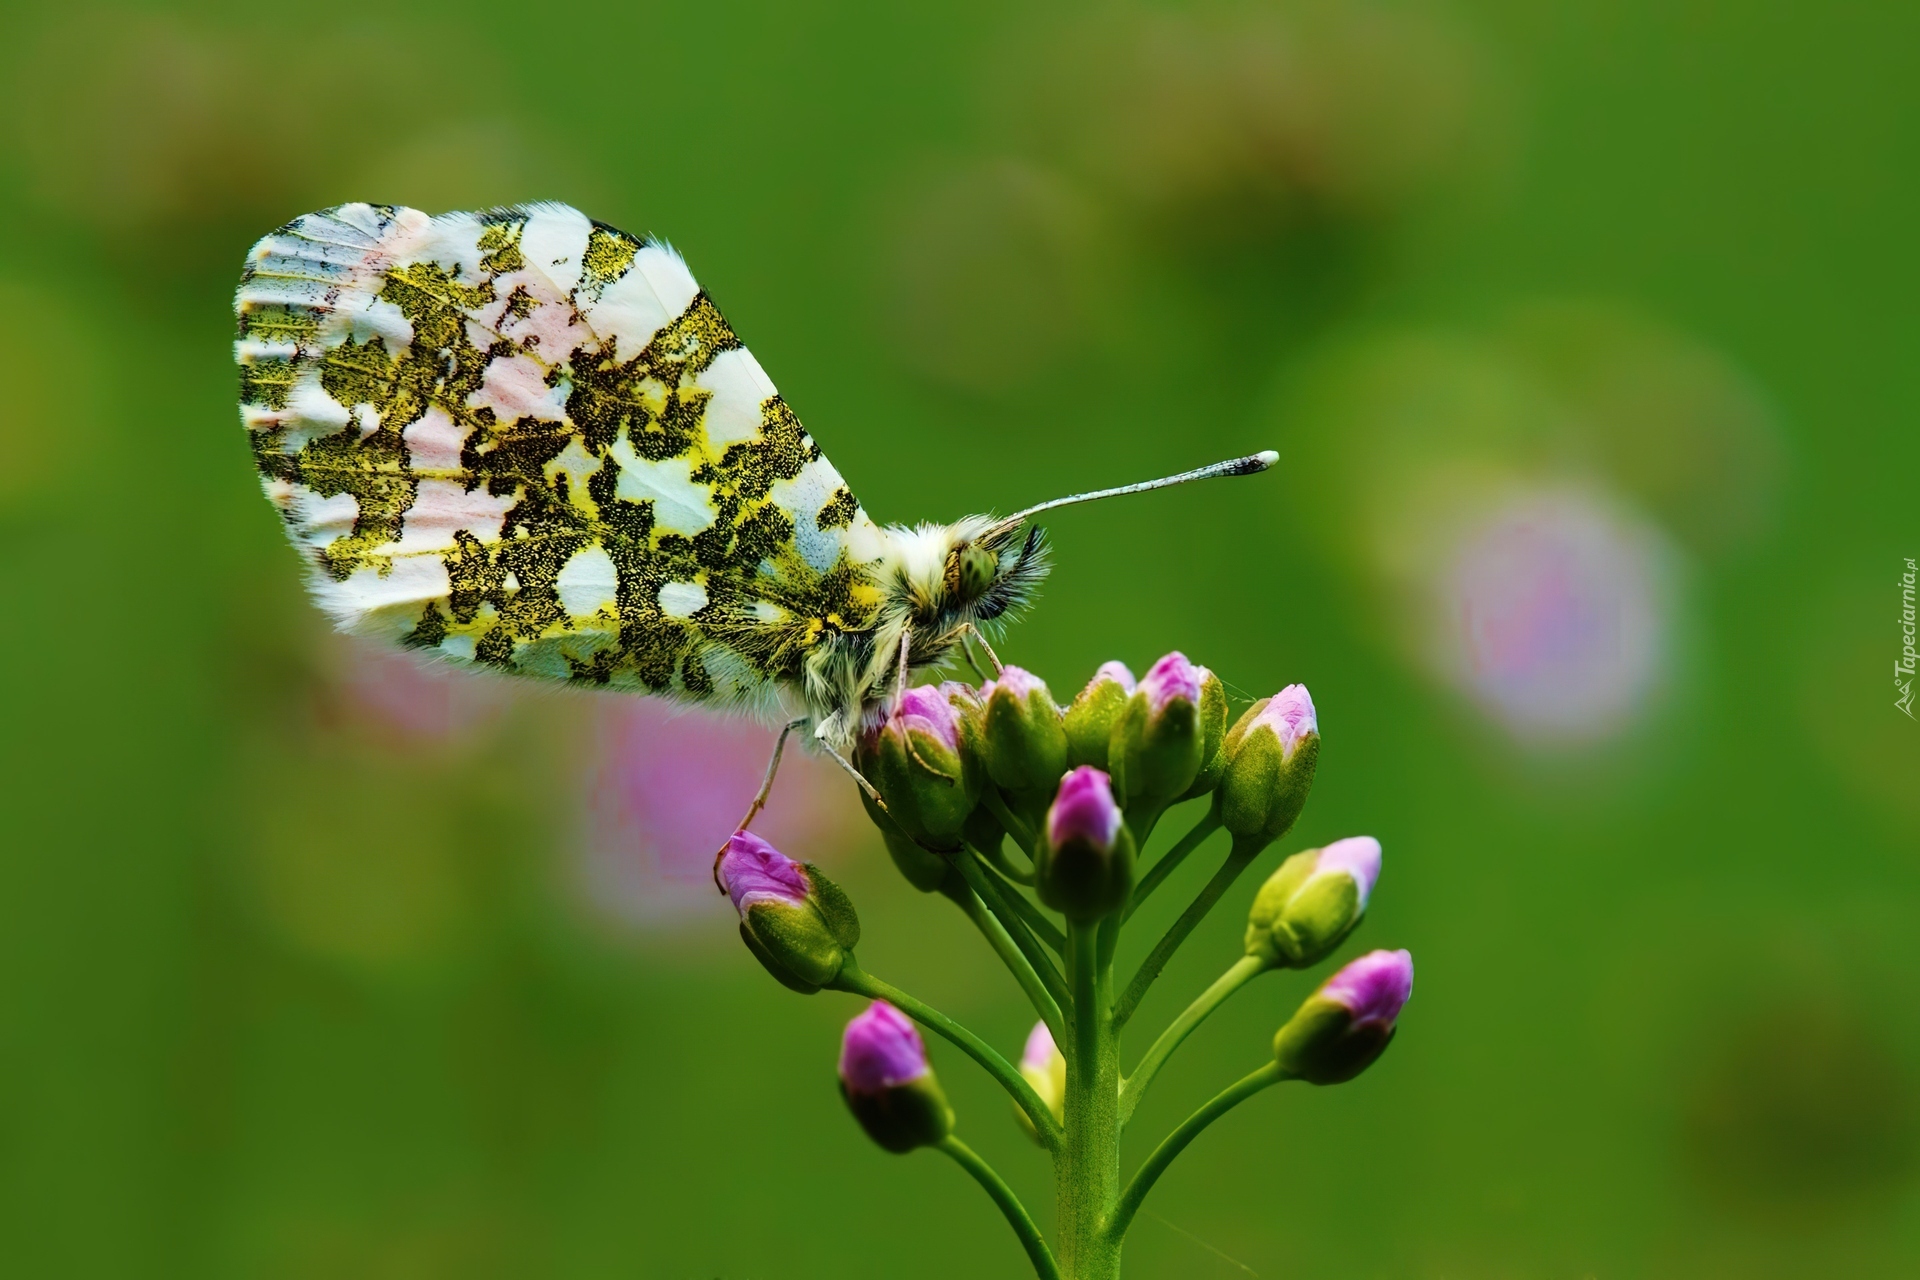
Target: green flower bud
(1089, 721)
(1345, 1025)
(1309, 906)
(924, 760)
(888, 1084)
(924, 869)
(797, 923)
(1270, 754)
(1025, 745)
(1157, 742)
(1084, 866)
(1213, 735)
(983, 830)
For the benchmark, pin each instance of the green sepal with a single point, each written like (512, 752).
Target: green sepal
(1024, 744)
(1261, 793)
(1321, 1045)
(904, 1117)
(929, 790)
(1153, 758)
(1088, 723)
(781, 975)
(984, 831)
(798, 939)
(1298, 918)
(835, 907)
(924, 869)
(1213, 733)
(1083, 882)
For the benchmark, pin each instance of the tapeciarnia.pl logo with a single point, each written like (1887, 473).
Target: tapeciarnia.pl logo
(1903, 665)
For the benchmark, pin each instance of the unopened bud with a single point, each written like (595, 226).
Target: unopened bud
(1270, 755)
(1025, 745)
(1309, 906)
(1084, 867)
(1157, 742)
(1043, 1067)
(887, 1082)
(797, 923)
(1089, 721)
(1348, 1022)
(923, 760)
(1213, 735)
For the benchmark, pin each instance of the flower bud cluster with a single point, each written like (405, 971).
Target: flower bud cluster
(959, 766)
(1079, 789)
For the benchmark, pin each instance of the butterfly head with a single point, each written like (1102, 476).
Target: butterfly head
(972, 571)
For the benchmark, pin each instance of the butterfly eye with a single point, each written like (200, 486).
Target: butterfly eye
(977, 567)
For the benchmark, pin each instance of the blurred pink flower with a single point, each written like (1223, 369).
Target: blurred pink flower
(665, 789)
(423, 699)
(1563, 614)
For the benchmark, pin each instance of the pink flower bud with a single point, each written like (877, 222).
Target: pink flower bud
(1089, 721)
(1158, 745)
(1344, 1026)
(1173, 677)
(1270, 758)
(1356, 856)
(1084, 865)
(751, 870)
(881, 1049)
(1374, 988)
(1084, 811)
(795, 921)
(1312, 902)
(1043, 1067)
(1289, 714)
(927, 709)
(887, 1082)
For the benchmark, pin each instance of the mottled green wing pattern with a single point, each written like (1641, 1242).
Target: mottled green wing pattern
(523, 439)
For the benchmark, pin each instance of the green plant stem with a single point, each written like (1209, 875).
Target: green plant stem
(1016, 1213)
(995, 856)
(1176, 1142)
(1236, 862)
(1022, 833)
(982, 882)
(858, 981)
(1010, 955)
(1243, 971)
(1044, 929)
(1170, 862)
(1087, 1174)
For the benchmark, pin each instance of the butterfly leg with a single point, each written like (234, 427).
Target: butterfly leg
(968, 634)
(906, 647)
(773, 767)
(833, 753)
(760, 797)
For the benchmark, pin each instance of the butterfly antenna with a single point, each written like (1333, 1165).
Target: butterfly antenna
(1249, 465)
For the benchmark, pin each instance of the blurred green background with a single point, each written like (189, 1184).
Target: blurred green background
(1585, 333)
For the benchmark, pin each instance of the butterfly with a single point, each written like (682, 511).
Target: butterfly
(522, 440)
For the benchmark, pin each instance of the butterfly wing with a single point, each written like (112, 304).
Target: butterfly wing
(526, 440)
